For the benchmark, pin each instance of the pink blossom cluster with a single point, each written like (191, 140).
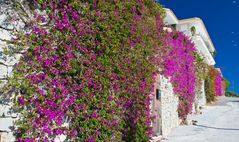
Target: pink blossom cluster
(219, 84)
(89, 74)
(179, 65)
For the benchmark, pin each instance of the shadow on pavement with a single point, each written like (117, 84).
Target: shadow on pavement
(234, 101)
(230, 129)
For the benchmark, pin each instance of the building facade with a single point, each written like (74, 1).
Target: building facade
(165, 103)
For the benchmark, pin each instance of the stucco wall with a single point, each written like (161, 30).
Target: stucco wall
(169, 107)
(164, 109)
(200, 99)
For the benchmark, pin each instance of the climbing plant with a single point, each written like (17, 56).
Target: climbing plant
(201, 74)
(180, 66)
(90, 66)
(219, 84)
(214, 84)
(88, 71)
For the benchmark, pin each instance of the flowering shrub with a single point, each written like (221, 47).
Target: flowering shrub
(201, 70)
(219, 84)
(214, 84)
(90, 68)
(179, 65)
(89, 71)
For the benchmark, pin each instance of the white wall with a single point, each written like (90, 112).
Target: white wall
(201, 96)
(169, 107)
(6, 118)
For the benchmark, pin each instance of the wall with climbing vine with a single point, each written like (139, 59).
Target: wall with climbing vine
(180, 65)
(90, 66)
(89, 71)
(214, 84)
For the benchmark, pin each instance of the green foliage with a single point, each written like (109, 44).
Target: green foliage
(214, 84)
(93, 69)
(174, 26)
(231, 94)
(227, 84)
(209, 91)
(201, 70)
(193, 30)
(214, 54)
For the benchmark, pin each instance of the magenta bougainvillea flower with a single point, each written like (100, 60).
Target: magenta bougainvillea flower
(89, 74)
(219, 84)
(179, 65)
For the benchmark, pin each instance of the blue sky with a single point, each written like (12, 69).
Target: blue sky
(221, 18)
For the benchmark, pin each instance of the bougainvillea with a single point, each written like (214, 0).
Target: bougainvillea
(219, 84)
(179, 65)
(201, 70)
(90, 67)
(214, 84)
(89, 71)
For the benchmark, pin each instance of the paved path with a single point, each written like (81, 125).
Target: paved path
(218, 123)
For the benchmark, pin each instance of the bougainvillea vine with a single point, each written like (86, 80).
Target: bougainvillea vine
(88, 72)
(214, 84)
(219, 84)
(90, 69)
(180, 66)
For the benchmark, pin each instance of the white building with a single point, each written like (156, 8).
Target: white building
(200, 35)
(165, 108)
(196, 30)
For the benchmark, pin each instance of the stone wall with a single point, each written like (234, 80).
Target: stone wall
(200, 99)
(7, 118)
(164, 108)
(169, 107)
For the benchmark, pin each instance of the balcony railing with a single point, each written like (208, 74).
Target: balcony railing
(206, 43)
(203, 49)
